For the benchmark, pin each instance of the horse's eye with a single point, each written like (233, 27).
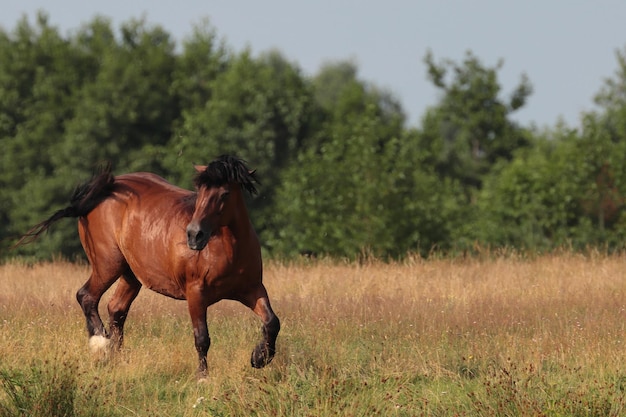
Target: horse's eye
(225, 195)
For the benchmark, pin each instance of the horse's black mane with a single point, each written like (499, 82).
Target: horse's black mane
(225, 170)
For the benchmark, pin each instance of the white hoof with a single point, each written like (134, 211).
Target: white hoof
(99, 344)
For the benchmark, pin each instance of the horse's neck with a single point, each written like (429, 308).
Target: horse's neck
(241, 224)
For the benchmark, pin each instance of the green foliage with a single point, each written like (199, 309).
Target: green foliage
(202, 59)
(125, 107)
(259, 110)
(566, 191)
(526, 203)
(612, 100)
(470, 129)
(77, 103)
(341, 173)
(335, 199)
(37, 81)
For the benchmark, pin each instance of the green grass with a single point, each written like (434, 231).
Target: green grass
(507, 336)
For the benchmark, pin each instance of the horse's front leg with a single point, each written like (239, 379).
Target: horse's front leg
(259, 302)
(197, 305)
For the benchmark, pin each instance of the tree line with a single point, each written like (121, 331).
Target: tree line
(342, 174)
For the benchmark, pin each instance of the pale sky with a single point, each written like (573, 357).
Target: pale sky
(566, 47)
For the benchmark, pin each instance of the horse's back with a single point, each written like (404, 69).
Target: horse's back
(143, 195)
(140, 225)
(147, 183)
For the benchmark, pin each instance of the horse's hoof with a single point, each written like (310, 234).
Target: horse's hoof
(261, 356)
(99, 344)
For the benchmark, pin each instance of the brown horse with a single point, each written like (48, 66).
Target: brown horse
(199, 247)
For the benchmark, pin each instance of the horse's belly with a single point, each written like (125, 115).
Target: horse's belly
(155, 276)
(163, 285)
(168, 291)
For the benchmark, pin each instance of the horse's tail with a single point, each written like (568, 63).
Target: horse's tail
(85, 198)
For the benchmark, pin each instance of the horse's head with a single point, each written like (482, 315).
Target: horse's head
(211, 213)
(218, 197)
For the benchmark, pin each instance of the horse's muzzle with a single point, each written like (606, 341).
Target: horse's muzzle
(196, 237)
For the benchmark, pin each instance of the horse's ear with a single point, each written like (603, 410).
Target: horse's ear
(199, 168)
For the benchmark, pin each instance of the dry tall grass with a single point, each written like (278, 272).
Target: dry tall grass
(507, 335)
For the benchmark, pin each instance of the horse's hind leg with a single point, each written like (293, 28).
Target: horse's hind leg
(103, 275)
(259, 302)
(88, 296)
(125, 293)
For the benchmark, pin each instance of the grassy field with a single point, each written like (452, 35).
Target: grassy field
(505, 335)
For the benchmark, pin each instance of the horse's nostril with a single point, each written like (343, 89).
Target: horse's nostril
(196, 237)
(192, 230)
